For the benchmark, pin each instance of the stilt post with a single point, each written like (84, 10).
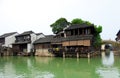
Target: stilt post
(63, 54)
(77, 55)
(88, 55)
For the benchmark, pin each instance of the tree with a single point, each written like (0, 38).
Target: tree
(97, 37)
(80, 21)
(59, 25)
(88, 23)
(77, 21)
(98, 29)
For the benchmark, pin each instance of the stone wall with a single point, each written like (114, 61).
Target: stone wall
(43, 52)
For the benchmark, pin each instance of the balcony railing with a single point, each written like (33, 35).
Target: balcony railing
(23, 40)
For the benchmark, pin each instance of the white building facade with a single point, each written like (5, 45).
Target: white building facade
(8, 39)
(24, 42)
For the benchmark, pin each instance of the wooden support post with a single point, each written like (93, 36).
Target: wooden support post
(63, 54)
(88, 55)
(77, 55)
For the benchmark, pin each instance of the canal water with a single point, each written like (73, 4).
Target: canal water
(104, 66)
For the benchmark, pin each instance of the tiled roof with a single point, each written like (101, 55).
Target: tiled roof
(51, 39)
(76, 26)
(57, 40)
(22, 42)
(72, 38)
(39, 33)
(7, 34)
(82, 37)
(118, 33)
(26, 33)
(45, 39)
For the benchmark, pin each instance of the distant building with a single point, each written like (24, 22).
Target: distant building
(24, 42)
(7, 39)
(118, 36)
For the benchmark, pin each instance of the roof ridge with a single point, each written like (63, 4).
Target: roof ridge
(7, 34)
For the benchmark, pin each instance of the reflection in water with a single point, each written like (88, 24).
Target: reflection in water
(108, 58)
(108, 70)
(36, 75)
(21, 68)
(9, 70)
(47, 67)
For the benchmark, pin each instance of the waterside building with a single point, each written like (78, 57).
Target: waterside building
(118, 36)
(6, 41)
(24, 42)
(74, 38)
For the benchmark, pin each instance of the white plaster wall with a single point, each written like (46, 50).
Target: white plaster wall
(33, 37)
(29, 47)
(40, 36)
(10, 40)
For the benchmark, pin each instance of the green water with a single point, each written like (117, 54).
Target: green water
(106, 66)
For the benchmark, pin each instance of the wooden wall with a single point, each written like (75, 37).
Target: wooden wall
(42, 50)
(66, 43)
(16, 48)
(77, 43)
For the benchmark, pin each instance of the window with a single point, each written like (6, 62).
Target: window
(68, 33)
(72, 32)
(76, 31)
(80, 31)
(87, 31)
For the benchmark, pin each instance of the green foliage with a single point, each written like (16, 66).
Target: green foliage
(80, 21)
(59, 25)
(97, 37)
(88, 23)
(97, 41)
(77, 21)
(98, 29)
